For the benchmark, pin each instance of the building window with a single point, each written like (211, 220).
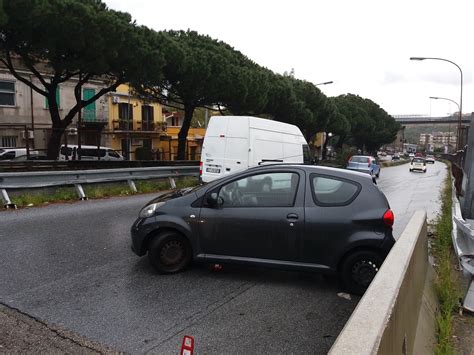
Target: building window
(89, 110)
(147, 118)
(58, 98)
(7, 93)
(125, 116)
(9, 141)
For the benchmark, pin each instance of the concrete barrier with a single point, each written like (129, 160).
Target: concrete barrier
(396, 314)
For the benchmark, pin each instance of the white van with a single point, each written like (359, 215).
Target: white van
(11, 153)
(234, 143)
(88, 152)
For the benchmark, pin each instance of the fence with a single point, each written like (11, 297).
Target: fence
(153, 141)
(38, 179)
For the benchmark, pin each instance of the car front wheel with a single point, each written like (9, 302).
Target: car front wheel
(169, 252)
(359, 269)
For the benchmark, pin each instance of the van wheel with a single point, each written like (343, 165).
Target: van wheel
(359, 269)
(169, 252)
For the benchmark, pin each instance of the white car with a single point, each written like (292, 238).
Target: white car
(418, 164)
(430, 159)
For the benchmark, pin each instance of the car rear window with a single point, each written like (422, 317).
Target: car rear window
(418, 160)
(330, 191)
(360, 159)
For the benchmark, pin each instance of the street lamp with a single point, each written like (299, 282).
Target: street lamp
(444, 98)
(460, 100)
(325, 83)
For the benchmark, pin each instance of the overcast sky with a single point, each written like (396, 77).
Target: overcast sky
(363, 46)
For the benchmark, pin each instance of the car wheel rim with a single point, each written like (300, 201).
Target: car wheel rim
(172, 253)
(364, 271)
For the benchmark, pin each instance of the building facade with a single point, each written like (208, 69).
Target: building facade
(137, 129)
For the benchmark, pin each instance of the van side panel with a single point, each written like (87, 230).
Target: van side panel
(265, 145)
(234, 143)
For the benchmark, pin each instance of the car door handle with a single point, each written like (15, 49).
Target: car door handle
(292, 216)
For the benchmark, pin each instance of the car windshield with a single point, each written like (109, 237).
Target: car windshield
(359, 159)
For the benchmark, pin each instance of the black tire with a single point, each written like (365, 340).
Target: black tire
(377, 175)
(411, 170)
(169, 252)
(358, 270)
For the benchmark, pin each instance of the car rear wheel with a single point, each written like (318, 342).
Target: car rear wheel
(169, 252)
(358, 270)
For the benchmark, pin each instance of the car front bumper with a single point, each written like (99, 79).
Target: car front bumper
(140, 231)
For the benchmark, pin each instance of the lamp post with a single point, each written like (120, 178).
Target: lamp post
(458, 143)
(444, 98)
(325, 83)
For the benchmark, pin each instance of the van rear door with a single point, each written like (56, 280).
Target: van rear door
(212, 158)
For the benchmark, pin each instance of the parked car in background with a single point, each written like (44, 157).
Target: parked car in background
(430, 159)
(33, 155)
(364, 163)
(296, 217)
(8, 153)
(88, 152)
(418, 164)
(411, 155)
(396, 156)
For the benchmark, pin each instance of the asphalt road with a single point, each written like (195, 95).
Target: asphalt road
(70, 265)
(408, 191)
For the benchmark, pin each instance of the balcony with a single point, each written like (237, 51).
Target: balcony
(123, 125)
(143, 126)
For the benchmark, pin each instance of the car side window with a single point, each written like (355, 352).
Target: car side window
(330, 191)
(277, 189)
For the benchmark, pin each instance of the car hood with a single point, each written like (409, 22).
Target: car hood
(170, 195)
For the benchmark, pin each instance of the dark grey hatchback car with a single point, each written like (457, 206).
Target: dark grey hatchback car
(296, 217)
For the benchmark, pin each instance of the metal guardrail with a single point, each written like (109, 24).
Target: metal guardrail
(38, 179)
(7, 166)
(463, 242)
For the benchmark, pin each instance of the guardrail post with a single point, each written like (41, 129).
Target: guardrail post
(6, 200)
(172, 183)
(132, 186)
(80, 192)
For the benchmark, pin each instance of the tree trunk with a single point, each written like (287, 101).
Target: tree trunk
(57, 125)
(183, 132)
(325, 145)
(54, 143)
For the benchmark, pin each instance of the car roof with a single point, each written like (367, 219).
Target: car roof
(318, 169)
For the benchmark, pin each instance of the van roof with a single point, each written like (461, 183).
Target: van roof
(85, 146)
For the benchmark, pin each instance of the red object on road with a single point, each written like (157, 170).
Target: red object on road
(217, 267)
(187, 347)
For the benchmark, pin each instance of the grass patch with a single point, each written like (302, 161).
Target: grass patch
(446, 283)
(97, 191)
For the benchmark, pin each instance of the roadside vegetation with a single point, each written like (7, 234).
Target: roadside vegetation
(38, 197)
(446, 284)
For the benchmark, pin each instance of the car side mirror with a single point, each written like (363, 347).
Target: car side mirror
(214, 200)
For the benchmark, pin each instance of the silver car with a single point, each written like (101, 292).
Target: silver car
(365, 164)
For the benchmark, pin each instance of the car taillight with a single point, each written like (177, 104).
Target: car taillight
(200, 168)
(388, 218)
